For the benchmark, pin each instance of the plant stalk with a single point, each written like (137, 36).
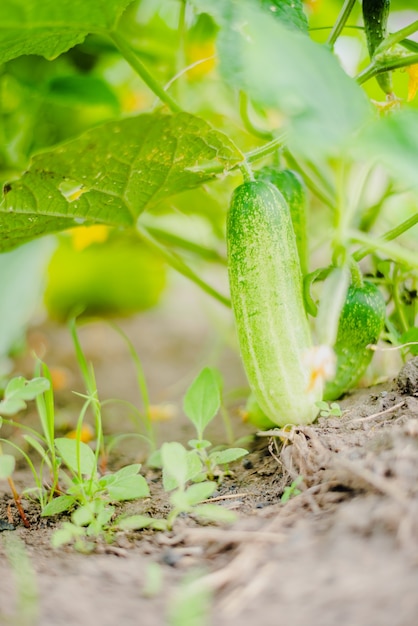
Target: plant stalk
(341, 20)
(134, 61)
(393, 63)
(178, 264)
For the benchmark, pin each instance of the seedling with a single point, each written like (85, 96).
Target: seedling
(291, 490)
(181, 467)
(329, 409)
(201, 405)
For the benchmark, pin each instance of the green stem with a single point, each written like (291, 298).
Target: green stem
(249, 157)
(178, 264)
(397, 37)
(393, 251)
(268, 148)
(142, 385)
(388, 236)
(341, 20)
(181, 55)
(356, 275)
(246, 171)
(410, 45)
(315, 186)
(171, 239)
(397, 300)
(246, 120)
(134, 61)
(393, 63)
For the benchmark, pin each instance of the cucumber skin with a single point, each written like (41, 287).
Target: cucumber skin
(375, 18)
(266, 293)
(361, 322)
(293, 189)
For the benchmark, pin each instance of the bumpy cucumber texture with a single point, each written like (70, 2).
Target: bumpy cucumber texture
(266, 293)
(361, 322)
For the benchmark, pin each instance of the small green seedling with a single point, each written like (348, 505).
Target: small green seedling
(291, 490)
(327, 409)
(90, 495)
(17, 392)
(202, 402)
(180, 468)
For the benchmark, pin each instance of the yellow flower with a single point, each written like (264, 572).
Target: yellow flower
(83, 236)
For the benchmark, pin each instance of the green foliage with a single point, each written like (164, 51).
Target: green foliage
(323, 106)
(18, 391)
(111, 174)
(203, 399)
(327, 409)
(291, 490)
(49, 28)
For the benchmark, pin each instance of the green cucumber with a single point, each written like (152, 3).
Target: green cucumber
(361, 321)
(375, 17)
(293, 189)
(266, 293)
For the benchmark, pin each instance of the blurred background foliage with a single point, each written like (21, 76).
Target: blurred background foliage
(43, 103)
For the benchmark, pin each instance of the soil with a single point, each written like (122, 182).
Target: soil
(344, 551)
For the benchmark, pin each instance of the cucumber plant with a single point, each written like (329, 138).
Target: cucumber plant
(112, 156)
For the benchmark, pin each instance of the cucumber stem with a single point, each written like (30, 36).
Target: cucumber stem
(388, 236)
(379, 67)
(316, 187)
(394, 251)
(244, 105)
(397, 37)
(268, 148)
(356, 275)
(180, 266)
(131, 57)
(246, 171)
(341, 20)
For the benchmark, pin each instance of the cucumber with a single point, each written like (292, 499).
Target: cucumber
(375, 17)
(361, 321)
(293, 189)
(266, 293)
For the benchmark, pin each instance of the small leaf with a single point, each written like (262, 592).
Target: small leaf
(128, 488)
(134, 522)
(128, 470)
(7, 465)
(64, 535)
(199, 444)
(58, 505)
(203, 399)
(200, 491)
(227, 456)
(214, 513)
(83, 515)
(78, 456)
(175, 467)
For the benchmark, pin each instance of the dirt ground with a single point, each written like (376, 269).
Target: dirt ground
(344, 551)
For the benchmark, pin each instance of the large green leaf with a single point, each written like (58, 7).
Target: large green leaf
(50, 27)
(283, 68)
(392, 141)
(111, 174)
(290, 12)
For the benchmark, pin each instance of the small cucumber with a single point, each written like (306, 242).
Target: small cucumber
(266, 293)
(361, 321)
(293, 189)
(375, 17)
